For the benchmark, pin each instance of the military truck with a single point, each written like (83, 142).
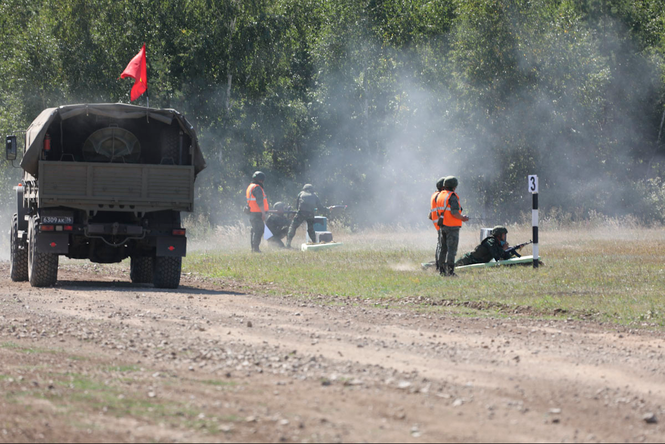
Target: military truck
(104, 182)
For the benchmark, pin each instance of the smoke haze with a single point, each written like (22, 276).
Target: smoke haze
(373, 101)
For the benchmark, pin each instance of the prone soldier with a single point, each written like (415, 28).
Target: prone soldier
(492, 247)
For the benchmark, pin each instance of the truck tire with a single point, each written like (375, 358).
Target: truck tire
(166, 272)
(18, 261)
(42, 267)
(140, 269)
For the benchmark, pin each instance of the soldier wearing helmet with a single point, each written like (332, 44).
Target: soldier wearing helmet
(450, 221)
(434, 216)
(492, 247)
(257, 206)
(278, 224)
(306, 206)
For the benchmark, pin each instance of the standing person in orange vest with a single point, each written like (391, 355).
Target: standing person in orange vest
(257, 203)
(434, 216)
(450, 221)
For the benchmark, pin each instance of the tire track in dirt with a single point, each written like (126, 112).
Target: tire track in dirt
(371, 373)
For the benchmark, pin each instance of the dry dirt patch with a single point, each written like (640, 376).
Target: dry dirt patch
(97, 358)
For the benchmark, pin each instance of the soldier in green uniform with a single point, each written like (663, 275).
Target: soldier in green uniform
(450, 222)
(306, 207)
(257, 205)
(433, 216)
(492, 247)
(278, 224)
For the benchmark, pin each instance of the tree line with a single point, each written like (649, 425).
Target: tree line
(373, 100)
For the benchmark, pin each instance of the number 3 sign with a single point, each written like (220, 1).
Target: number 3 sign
(533, 184)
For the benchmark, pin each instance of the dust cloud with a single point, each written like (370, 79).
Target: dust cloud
(384, 162)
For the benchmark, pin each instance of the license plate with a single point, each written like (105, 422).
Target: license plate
(58, 219)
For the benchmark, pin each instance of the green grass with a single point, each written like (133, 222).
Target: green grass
(77, 390)
(123, 368)
(586, 274)
(97, 395)
(27, 350)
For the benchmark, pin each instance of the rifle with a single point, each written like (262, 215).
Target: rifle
(337, 207)
(513, 250)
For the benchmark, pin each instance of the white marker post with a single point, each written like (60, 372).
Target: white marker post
(533, 189)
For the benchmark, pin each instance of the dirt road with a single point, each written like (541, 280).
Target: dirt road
(97, 358)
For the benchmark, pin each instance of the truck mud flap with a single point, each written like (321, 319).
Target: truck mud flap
(171, 246)
(57, 243)
(21, 211)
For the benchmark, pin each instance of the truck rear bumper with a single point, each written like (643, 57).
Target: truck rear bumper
(115, 229)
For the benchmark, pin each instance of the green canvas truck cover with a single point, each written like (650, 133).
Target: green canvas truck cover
(34, 138)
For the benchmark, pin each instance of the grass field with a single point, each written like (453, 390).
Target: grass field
(607, 273)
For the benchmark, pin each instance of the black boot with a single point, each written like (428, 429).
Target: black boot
(451, 270)
(443, 270)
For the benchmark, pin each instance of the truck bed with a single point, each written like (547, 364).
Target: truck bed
(115, 186)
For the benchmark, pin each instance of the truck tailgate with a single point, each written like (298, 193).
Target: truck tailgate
(116, 186)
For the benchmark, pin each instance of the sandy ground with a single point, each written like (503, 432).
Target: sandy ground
(210, 362)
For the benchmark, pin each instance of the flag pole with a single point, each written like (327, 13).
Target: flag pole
(147, 90)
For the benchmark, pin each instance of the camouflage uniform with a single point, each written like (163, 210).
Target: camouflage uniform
(433, 218)
(490, 248)
(256, 233)
(256, 219)
(278, 225)
(449, 239)
(306, 206)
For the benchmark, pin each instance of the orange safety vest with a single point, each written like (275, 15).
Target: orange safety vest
(251, 200)
(444, 209)
(434, 211)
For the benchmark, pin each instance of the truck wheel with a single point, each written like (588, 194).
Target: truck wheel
(42, 267)
(140, 269)
(166, 272)
(18, 261)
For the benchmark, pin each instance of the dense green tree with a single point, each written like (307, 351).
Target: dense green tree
(372, 100)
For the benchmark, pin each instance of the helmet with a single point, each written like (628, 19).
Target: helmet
(279, 206)
(450, 182)
(259, 176)
(499, 230)
(308, 187)
(439, 183)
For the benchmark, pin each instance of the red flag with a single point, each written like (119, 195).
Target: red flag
(136, 69)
